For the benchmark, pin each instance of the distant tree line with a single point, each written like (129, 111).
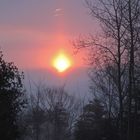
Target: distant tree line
(43, 114)
(50, 115)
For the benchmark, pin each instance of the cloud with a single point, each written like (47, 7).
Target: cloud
(58, 12)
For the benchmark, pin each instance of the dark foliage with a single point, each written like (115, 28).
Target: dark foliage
(11, 99)
(93, 124)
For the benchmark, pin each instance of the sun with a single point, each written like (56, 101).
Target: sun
(62, 62)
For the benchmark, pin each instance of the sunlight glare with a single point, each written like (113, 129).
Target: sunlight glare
(61, 62)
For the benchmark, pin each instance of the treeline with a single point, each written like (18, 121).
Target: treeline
(43, 114)
(48, 113)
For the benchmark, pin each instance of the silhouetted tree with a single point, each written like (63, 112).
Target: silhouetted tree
(93, 124)
(131, 20)
(59, 118)
(62, 111)
(51, 114)
(116, 48)
(108, 48)
(12, 99)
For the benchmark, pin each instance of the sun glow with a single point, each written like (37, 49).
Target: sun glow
(61, 62)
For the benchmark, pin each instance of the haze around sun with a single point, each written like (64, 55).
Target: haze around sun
(61, 62)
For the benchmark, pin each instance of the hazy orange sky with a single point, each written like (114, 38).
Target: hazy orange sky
(33, 31)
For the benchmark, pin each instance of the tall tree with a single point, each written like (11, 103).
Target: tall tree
(109, 50)
(131, 23)
(117, 49)
(12, 99)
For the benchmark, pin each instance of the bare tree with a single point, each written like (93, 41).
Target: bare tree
(35, 116)
(132, 20)
(51, 114)
(63, 111)
(109, 49)
(117, 47)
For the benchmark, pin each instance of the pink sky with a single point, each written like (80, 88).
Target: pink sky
(32, 32)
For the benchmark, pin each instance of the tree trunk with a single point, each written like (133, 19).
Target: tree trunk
(131, 73)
